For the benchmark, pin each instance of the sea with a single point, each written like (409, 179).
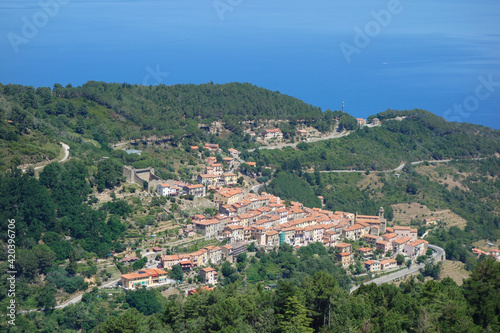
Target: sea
(370, 56)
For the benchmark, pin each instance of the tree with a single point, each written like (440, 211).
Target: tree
(400, 259)
(45, 256)
(227, 269)
(131, 321)
(421, 259)
(109, 174)
(46, 296)
(144, 300)
(294, 319)
(176, 273)
(251, 247)
(139, 263)
(412, 188)
(481, 290)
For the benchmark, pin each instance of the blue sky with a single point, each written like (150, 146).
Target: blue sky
(429, 54)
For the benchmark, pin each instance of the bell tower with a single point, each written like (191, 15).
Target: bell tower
(383, 221)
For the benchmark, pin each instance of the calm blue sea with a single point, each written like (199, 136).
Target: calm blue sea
(372, 55)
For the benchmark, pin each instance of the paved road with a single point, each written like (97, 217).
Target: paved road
(333, 135)
(255, 188)
(78, 298)
(400, 167)
(64, 159)
(438, 255)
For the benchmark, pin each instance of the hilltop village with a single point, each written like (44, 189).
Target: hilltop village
(265, 221)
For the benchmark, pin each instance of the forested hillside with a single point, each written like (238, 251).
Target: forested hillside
(32, 120)
(421, 136)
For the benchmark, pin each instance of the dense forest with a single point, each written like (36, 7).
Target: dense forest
(316, 303)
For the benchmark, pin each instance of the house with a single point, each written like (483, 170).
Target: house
(302, 132)
(401, 231)
(227, 252)
(383, 245)
(234, 153)
(344, 258)
(214, 254)
(274, 133)
(195, 148)
(211, 160)
(190, 292)
(372, 265)
(208, 228)
(343, 247)
(388, 264)
(168, 261)
(389, 237)
(199, 258)
(235, 233)
(330, 238)
(415, 248)
(370, 239)
(165, 189)
(155, 249)
(361, 122)
(229, 161)
(228, 196)
(196, 191)
(364, 251)
(431, 221)
(355, 231)
(272, 239)
(399, 244)
(209, 275)
(208, 179)
(214, 148)
(229, 179)
(214, 169)
(147, 277)
(128, 259)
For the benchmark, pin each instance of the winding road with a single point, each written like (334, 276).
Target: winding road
(64, 159)
(438, 255)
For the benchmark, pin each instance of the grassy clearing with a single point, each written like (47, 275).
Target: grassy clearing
(405, 213)
(454, 270)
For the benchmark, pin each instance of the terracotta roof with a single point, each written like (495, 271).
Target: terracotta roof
(207, 270)
(388, 261)
(144, 273)
(364, 249)
(402, 240)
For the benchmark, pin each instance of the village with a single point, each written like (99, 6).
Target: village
(266, 222)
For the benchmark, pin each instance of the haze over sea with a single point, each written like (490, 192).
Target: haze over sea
(424, 54)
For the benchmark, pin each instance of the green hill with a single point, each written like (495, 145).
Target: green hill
(33, 120)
